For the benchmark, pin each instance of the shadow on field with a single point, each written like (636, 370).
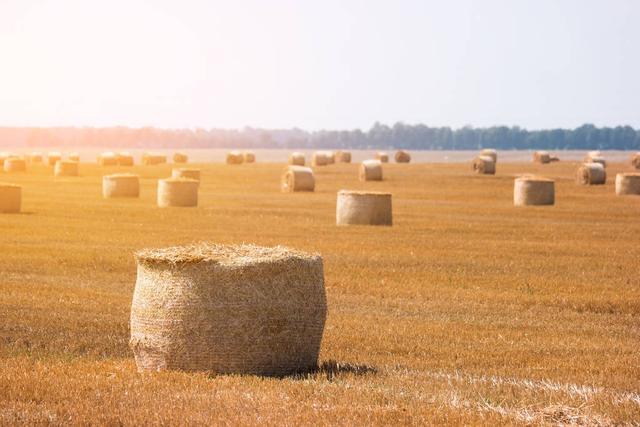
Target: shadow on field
(332, 369)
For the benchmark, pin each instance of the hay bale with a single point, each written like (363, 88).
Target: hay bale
(491, 152)
(595, 157)
(239, 309)
(628, 184)
(249, 157)
(125, 158)
(120, 185)
(35, 157)
(541, 157)
(320, 158)
(297, 178)
(108, 158)
(4, 156)
(533, 190)
(297, 159)
(10, 198)
(382, 156)
(178, 192)
(66, 168)
(235, 158)
(151, 159)
(188, 173)
(331, 157)
(363, 208)
(402, 156)
(15, 164)
(53, 157)
(484, 165)
(554, 159)
(591, 174)
(635, 160)
(370, 170)
(180, 158)
(74, 157)
(343, 156)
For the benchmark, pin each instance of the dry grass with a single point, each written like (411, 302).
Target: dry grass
(467, 310)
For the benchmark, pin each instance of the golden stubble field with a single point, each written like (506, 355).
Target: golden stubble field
(466, 311)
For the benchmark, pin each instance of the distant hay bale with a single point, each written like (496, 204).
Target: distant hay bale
(635, 160)
(484, 165)
(591, 174)
(180, 158)
(343, 156)
(297, 178)
(124, 158)
(4, 156)
(178, 192)
(120, 185)
(186, 173)
(402, 156)
(249, 157)
(320, 158)
(152, 159)
(296, 159)
(594, 153)
(108, 158)
(34, 157)
(74, 157)
(595, 157)
(370, 170)
(533, 190)
(382, 156)
(363, 208)
(554, 159)
(235, 158)
(239, 309)
(53, 157)
(15, 164)
(10, 198)
(331, 157)
(491, 152)
(542, 157)
(628, 184)
(65, 168)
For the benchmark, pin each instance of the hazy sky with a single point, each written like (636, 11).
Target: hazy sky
(321, 64)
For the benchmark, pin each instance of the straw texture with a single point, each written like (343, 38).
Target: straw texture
(491, 152)
(15, 164)
(591, 174)
(178, 192)
(10, 198)
(249, 157)
(320, 158)
(235, 158)
(533, 190)
(484, 165)
(635, 160)
(363, 208)
(595, 157)
(402, 156)
(125, 159)
(180, 158)
(228, 310)
(35, 157)
(382, 156)
(108, 158)
(151, 159)
(628, 184)
(343, 156)
(120, 185)
(370, 170)
(541, 157)
(53, 157)
(296, 159)
(66, 168)
(74, 157)
(297, 178)
(186, 173)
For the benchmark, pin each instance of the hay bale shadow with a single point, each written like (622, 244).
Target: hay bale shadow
(331, 369)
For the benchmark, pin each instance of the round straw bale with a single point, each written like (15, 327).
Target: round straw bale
(179, 192)
(53, 157)
(363, 208)
(124, 158)
(594, 153)
(382, 156)
(541, 157)
(186, 173)
(153, 159)
(635, 160)
(484, 165)
(533, 190)
(180, 158)
(331, 157)
(239, 309)
(297, 178)
(627, 183)
(370, 170)
(491, 152)
(35, 157)
(402, 156)
(15, 164)
(235, 158)
(591, 174)
(249, 157)
(297, 159)
(320, 158)
(10, 198)
(108, 158)
(343, 156)
(74, 157)
(65, 168)
(120, 185)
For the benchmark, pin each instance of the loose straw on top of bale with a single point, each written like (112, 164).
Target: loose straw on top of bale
(249, 157)
(186, 173)
(178, 192)
(484, 165)
(363, 208)
(238, 309)
(120, 185)
(10, 198)
(343, 156)
(297, 178)
(235, 158)
(491, 152)
(180, 158)
(402, 156)
(533, 190)
(635, 160)
(296, 158)
(541, 157)
(591, 174)
(382, 156)
(53, 157)
(108, 158)
(125, 159)
(370, 170)
(65, 168)
(15, 164)
(628, 184)
(151, 159)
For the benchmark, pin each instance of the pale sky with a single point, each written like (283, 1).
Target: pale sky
(330, 64)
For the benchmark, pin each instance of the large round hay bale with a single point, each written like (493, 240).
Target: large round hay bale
(35, 157)
(53, 157)
(402, 156)
(15, 164)
(239, 309)
(491, 152)
(66, 168)
(595, 157)
(10, 198)
(591, 174)
(151, 159)
(249, 157)
(533, 190)
(125, 158)
(297, 178)
(178, 192)
(542, 157)
(296, 158)
(120, 185)
(180, 158)
(343, 156)
(484, 165)
(108, 158)
(370, 170)
(74, 157)
(635, 160)
(363, 208)
(628, 184)
(188, 173)
(382, 156)
(235, 158)
(320, 158)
